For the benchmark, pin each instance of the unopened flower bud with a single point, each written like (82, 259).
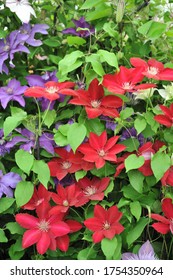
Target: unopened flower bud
(120, 10)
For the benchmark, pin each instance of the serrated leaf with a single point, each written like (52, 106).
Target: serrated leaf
(23, 192)
(24, 160)
(134, 162)
(76, 134)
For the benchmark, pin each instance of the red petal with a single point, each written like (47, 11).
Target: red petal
(138, 62)
(160, 218)
(31, 237)
(166, 111)
(93, 112)
(166, 74)
(59, 228)
(26, 221)
(95, 90)
(167, 208)
(93, 224)
(43, 243)
(162, 228)
(35, 92)
(113, 215)
(100, 213)
(112, 101)
(163, 120)
(74, 225)
(63, 243)
(98, 236)
(98, 141)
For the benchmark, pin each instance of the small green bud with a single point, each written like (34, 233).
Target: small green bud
(120, 10)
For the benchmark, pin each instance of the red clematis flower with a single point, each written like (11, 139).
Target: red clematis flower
(92, 189)
(65, 198)
(99, 149)
(41, 194)
(43, 230)
(62, 242)
(167, 118)
(125, 81)
(165, 224)
(67, 162)
(152, 69)
(167, 179)
(105, 223)
(51, 90)
(95, 102)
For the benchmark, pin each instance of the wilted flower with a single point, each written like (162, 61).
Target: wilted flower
(13, 91)
(8, 182)
(82, 29)
(146, 252)
(21, 8)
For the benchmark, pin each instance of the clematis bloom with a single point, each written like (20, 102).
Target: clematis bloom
(152, 69)
(42, 230)
(125, 80)
(166, 118)
(21, 8)
(98, 149)
(51, 90)
(105, 223)
(165, 223)
(146, 252)
(95, 102)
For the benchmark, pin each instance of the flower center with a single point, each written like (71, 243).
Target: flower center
(153, 70)
(106, 225)
(43, 226)
(51, 90)
(65, 203)
(90, 190)
(6, 48)
(66, 164)
(95, 103)
(101, 153)
(38, 202)
(9, 90)
(147, 155)
(127, 86)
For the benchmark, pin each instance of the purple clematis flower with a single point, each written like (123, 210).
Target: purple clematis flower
(9, 46)
(146, 252)
(8, 182)
(82, 28)
(29, 141)
(13, 91)
(110, 123)
(29, 32)
(131, 132)
(3, 149)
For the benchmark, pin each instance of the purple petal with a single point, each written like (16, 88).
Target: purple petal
(11, 179)
(6, 190)
(2, 59)
(146, 252)
(20, 100)
(70, 31)
(35, 80)
(46, 142)
(5, 100)
(15, 140)
(129, 256)
(28, 146)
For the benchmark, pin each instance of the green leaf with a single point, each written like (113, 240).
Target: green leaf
(126, 113)
(24, 160)
(90, 4)
(80, 174)
(131, 144)
(94, 59)
(160, 163)
(15, 228)
(3, 238)
(109, 57)
(60, 139)
(136, 209)
(50, 118)
(16, 251)
(94, 125)
(134, 162)
(108, 247)
(108, 27)
(87, 254)
(5, 203)
(136, 180)
(102, 11)
(42, 170)
(52, 42)
(70, 62)
(23, 192)
(74, 40)
(152, 29)
(109, 188)
(136, 231)
(76, 135)
(107, 170)
(140, 124)
(12, 122)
